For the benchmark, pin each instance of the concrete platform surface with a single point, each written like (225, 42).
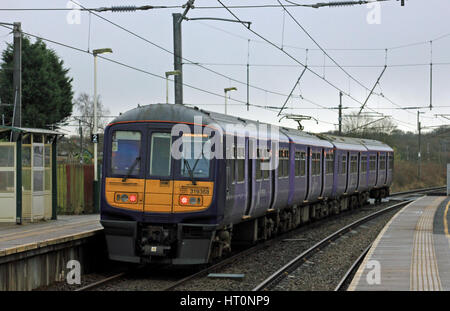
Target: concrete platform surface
(21, 238)
(412, 252)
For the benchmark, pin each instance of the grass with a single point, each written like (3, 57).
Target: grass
(406, 175)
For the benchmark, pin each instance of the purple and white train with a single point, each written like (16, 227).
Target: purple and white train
(157, 208)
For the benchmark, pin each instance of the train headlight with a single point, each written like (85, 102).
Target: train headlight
(132, 198)
(124, 198)
(184, 200)
(190, 200)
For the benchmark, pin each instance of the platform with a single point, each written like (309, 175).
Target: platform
(412, 252)
(20, 238)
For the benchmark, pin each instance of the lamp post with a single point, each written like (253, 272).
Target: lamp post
(96, 189)
(168, 74)
(226, 90)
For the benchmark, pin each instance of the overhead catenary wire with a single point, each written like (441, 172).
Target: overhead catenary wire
(292, 57)
(147, 72)
(183, 58)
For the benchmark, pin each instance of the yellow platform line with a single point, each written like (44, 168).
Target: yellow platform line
(359, 273)
(424, 273)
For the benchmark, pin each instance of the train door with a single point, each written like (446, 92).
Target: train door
(308, 172)
(323, 173)
(249, 178)
(230, 175)
(345, 161)
(159, 184)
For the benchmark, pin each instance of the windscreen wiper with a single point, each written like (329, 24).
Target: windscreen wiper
(131, 169)
(190, 171)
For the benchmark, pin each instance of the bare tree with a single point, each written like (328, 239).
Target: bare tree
(355, 123)
(85, 106)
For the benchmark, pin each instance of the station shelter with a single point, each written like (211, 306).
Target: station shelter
(28, 182)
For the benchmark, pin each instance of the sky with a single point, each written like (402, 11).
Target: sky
(361, 39)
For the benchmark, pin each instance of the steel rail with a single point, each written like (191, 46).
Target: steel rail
(281, 273)
(353, 268)
(228, 260)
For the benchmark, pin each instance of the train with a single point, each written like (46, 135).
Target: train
(181, 185)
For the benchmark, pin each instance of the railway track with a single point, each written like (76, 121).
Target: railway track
(278, 275)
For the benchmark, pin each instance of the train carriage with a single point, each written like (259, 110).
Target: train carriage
(182, 185)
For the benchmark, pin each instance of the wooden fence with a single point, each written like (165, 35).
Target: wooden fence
(75, 188)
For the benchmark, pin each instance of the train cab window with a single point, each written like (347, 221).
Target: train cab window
(344, 165)
(195, 160)
(363, 164)
(160, 157)
(125, 153)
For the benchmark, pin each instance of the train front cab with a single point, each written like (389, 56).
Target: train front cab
(156, 208)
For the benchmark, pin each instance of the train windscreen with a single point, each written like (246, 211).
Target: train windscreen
(125, 153)
(195, 157)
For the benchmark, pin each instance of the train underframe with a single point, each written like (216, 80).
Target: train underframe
(192, 244)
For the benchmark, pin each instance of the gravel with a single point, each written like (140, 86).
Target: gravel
(260, 265)
(319, 273)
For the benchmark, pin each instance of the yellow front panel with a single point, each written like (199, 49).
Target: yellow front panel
(203, 189)
(114, 186)
(158, 196)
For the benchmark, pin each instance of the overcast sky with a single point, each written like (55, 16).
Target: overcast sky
(355, 37)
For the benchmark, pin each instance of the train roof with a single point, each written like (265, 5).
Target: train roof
(375, 145)
(305, 138)
(346, 143)
(193, 115)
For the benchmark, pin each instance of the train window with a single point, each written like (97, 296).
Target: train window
(265, 172)
(344, 165)
(315, 164)
(232, 167)
(241, 170)
(195, 160)
(372, 163)
(363, 164)
(125, 152)
(302, 164)
(258, 169)
(297, 163)
(283, 163)
(391, 161)
(382, 162)
(160, 158)
(329, 163)
(353, 164)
